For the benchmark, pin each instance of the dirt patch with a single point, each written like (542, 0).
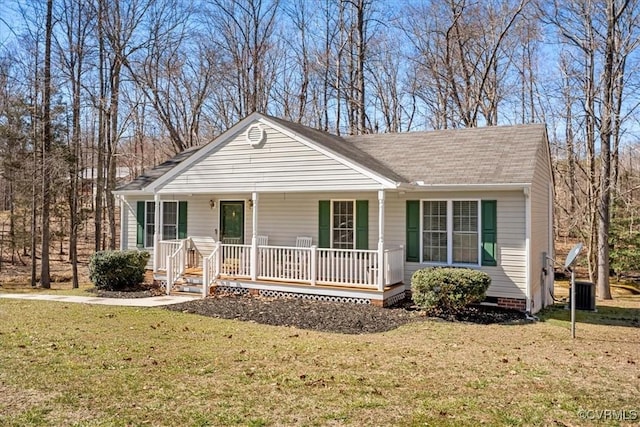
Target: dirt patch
(329, 316)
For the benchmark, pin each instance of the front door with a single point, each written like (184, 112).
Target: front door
(232, 222)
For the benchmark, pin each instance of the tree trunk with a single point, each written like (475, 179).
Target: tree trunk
(604, 290)
(46, 148)
(361, 55)
(99, 177)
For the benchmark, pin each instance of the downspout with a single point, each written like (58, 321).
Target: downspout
(254, 237)
(156, 232)
(123, 221)
(551, 250)
(527, 245)
(381, 262)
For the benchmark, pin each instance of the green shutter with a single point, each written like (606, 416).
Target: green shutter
(182, 220)
(489, 232)
(140, 223)
(362, 224)
(324, 224)
(413, 230)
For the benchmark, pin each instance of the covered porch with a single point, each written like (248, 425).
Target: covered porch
(204, 262)
(266, 267)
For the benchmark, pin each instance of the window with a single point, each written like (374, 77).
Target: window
(149, 224)
(169, 220)
(450, 231)
(342, 224)
(434, 235)
(465, 232)
(173, 224)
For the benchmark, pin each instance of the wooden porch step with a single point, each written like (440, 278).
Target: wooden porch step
(187, 289)
(191, 280)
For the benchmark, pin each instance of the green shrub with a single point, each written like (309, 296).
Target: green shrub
(117, 270)
(444, 289)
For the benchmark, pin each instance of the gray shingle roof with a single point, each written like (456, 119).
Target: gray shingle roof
(489, 155)
(342, 147)
(151, 175)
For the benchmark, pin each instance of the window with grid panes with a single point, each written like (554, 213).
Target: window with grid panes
(450, 227)
(149, 226)
(434, 234)
(342, 224)
(465, 232)
(169, 220)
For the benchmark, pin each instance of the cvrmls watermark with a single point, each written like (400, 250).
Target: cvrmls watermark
(609, 414)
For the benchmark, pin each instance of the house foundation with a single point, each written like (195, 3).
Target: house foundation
(513, 303)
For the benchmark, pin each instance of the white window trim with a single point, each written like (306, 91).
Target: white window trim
(450, 232)
(148, 245)
(162, 204)
(355, 238)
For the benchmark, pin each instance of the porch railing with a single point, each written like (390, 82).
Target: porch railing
(347, 267)
(166, 248)
(210, 269)
(176, 263)
(284, 263)
(338, 267)
(235, 260)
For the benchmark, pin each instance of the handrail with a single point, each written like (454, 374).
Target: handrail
(210, 269)
(175, 265)
(166, 248)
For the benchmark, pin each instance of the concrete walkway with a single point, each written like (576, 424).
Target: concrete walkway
(127, 302)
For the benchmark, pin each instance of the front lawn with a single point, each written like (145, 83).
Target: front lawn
(74, 364)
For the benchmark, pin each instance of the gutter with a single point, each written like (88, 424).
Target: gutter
(421, 185)
(124, 193)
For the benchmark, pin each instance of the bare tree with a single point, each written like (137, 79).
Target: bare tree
(595, 41)
(246, 30)
(45, 279)
(76, 19)
(174, 72)
(462, 56)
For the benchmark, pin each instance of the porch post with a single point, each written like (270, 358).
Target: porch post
(381, 266)
(254, 237)
(156, 232)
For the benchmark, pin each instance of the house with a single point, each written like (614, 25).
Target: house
(275, 207)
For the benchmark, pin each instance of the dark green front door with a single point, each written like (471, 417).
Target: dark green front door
(232, 222)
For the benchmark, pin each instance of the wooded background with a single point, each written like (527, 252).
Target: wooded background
(94, 92)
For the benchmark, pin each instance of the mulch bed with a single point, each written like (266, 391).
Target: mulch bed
(144, 291)
(301, 313)
(329, 316)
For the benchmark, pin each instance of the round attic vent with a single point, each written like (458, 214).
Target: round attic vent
(256, 135)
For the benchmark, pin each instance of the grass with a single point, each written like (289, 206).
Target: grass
(57, 288)
(73, 364)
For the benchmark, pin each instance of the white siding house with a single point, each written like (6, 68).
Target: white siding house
(238, 212)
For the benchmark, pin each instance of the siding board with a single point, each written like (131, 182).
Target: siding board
(281, 164)
(285, 215)
(540, 226)
(509, 277)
